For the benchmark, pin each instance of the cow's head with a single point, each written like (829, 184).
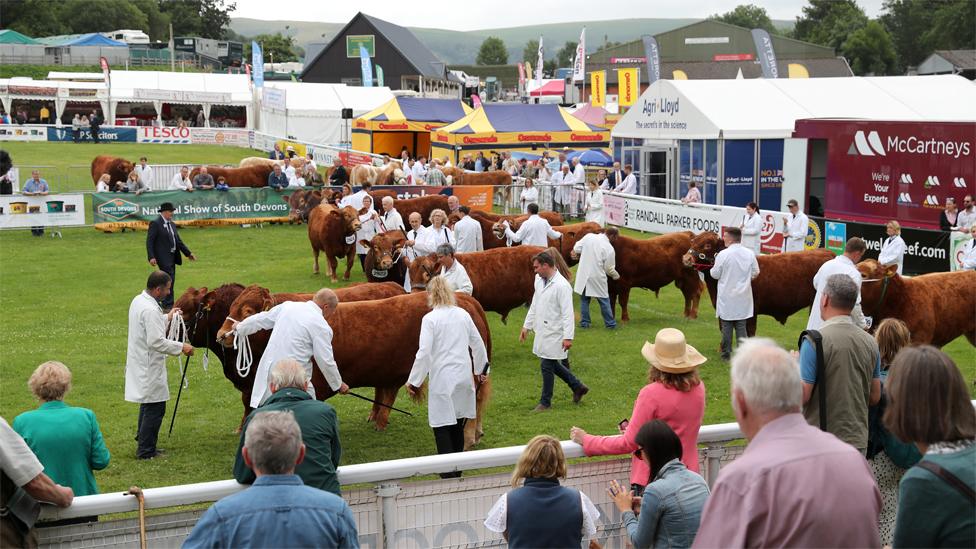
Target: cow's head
(421, 271)
(254, 299)
(498, 228)
(454, 218)
(350, 219)
(875, 279)
(188, 303)
(296, 205)
(704, 248)
(386, 249)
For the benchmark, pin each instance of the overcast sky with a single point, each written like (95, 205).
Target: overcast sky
(456, 15)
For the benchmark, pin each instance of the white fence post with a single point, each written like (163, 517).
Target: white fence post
(713, 455)
(387, 493)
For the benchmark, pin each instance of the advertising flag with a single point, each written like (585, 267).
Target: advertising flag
(598, 88)
(628, 86)
(764, 49)
(257, 64)
(367, 67)
(379, 76)
(579, 65)
(653, 54)
(521, 70)
(538, 64)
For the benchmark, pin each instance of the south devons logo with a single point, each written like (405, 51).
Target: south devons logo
(118, 209)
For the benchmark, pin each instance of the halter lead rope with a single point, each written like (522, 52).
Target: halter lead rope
(244, 358)
(177, 332)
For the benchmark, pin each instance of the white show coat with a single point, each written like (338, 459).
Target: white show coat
(145, 357)
(299, 332)
(839, 265)
(145, 174)
(419, 173)
(410, 251)
(965, 219)
(562, 183)
(550, 316)
(457, 278)
(734, 268)
(179, 183)
(628, 186)
(795, 233)
(368, 228)
(594, 207)
(969, 256)
(430, 238)
(468, 234)
(893, 252)
(446, 334)
(529, 195)
(752, 226)
(534, 231)
(579, 174)
(392, 220)
(355, 200)
(597, 261)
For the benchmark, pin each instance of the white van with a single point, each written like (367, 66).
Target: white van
(128, 36)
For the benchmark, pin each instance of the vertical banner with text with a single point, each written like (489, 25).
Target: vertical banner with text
(628, 86)
(598, 88)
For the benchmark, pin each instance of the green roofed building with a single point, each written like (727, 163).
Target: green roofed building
(8, 36)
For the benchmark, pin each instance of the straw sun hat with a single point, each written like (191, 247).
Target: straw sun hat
(670, 353)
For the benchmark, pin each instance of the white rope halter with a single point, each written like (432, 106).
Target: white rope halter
(244, 357)
(177, 332)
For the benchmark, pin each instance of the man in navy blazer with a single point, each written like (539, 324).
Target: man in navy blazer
(164, 247)
(615, 176)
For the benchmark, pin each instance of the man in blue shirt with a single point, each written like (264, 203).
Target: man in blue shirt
(278, 510)
(277, 179)
(36, 186)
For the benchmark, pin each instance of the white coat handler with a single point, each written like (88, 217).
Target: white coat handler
(300, 332)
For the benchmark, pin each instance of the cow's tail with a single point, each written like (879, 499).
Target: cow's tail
(560, 263)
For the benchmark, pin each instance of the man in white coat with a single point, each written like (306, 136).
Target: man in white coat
(842, 264)
(795, 227)
(145, 172)
(579, 185)
(467, 233)
(562, 187)
(550, 316)
(968, 261)
(391, 219)
(734, 268)
(752, 226)
(300, 332)
(597, 261)
(356, 199)
(534, 231)
(145, 361)
(629, 185)
(453, 272)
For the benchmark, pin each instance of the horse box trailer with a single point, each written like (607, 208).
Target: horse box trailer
(875, 171)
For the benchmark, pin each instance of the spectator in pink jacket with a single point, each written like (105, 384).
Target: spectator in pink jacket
(674, 393)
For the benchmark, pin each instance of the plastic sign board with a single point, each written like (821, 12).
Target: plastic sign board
(355, 41)
(598, 88)
(628, 86)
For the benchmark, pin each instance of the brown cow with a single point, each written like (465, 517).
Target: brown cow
(251, 176)
(571, 235)
(488, 237)
(494, 178)
(256, 161)
(784, 285)
(333, 231)
(117, 168)
(422, 204)
(301, 202)
(554, 218)
(384, 261)
(385, 362)
(937, 307)
(363, 173)
(653, 264)
(502, 278)
(385, 175)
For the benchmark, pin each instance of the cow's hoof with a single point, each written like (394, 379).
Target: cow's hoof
(379, 427)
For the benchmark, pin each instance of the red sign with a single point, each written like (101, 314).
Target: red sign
(489, 139)
(354, 159)
(534, 137)
(402, 126)
(360, 123)
(442, 138)
(584, 137)
(626, 60)
(732, 57)
(879, 171)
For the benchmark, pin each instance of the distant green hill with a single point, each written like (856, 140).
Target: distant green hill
(461, 48)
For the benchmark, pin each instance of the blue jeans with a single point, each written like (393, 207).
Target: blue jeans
(740, 334)
(549, 367)
(605, 310)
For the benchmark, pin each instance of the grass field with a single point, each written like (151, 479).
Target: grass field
(67, 300)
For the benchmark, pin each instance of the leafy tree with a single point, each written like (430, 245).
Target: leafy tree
(531, 51)
(158, 22)
(278, 47)
(953, 26)
(749, 16)
(564, 57)
(34, 17)
(203, 18)
(606, 45)
(492, 52)
(906, 22)
(870, 50)
(86, 16)
(829, 22)
(550, 66)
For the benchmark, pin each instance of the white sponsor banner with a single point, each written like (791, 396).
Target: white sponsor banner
(218, 136)
(181, 96)
(53, 210)
(167, 135)
(274, 98)
(23, 133)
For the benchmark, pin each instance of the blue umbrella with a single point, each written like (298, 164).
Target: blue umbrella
(593, 157)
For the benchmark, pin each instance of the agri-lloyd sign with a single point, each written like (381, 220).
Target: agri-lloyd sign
(661, 113)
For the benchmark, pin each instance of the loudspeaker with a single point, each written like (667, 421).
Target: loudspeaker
(346, 114)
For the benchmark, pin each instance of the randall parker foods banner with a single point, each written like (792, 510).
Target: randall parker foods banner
(112, 211)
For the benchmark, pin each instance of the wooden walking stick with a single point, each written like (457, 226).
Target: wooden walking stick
(137, 492)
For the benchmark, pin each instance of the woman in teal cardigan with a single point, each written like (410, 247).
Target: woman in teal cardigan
(66, 439)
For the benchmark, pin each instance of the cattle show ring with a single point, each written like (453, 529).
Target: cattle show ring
(65, 298)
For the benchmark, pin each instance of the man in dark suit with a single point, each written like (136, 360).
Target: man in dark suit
(616, 176)
(96, 123)
(164, 246)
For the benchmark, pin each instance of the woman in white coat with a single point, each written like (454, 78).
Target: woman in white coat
(436, 234)
(369, 226)
(529, 195)
(446, 334)
(594, 203)
(752, 226)
(893, 249)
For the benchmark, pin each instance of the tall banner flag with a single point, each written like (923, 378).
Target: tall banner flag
(538, 64)
(257, 64)
(366, 66)
(653, 54)
(598, 88)
(628, 86)
(579, 65)
(379, 76)
(764, 50)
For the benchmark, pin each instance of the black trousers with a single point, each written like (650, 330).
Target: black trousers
(150, 420)
(167, 302)
(450, 439)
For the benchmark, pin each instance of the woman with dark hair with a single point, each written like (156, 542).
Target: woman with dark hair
(928, 405)
(752, 226)
(671, 507)
(947, 217)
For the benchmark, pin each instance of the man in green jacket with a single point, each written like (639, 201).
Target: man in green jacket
(317, 420)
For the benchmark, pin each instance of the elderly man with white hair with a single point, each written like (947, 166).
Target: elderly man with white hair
(320, 428)
(391, 219)
(794, 485)
(278, 510)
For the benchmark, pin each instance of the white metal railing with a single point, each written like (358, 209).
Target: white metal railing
(375, 472)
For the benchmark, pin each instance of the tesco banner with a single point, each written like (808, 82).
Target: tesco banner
(165, 135)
